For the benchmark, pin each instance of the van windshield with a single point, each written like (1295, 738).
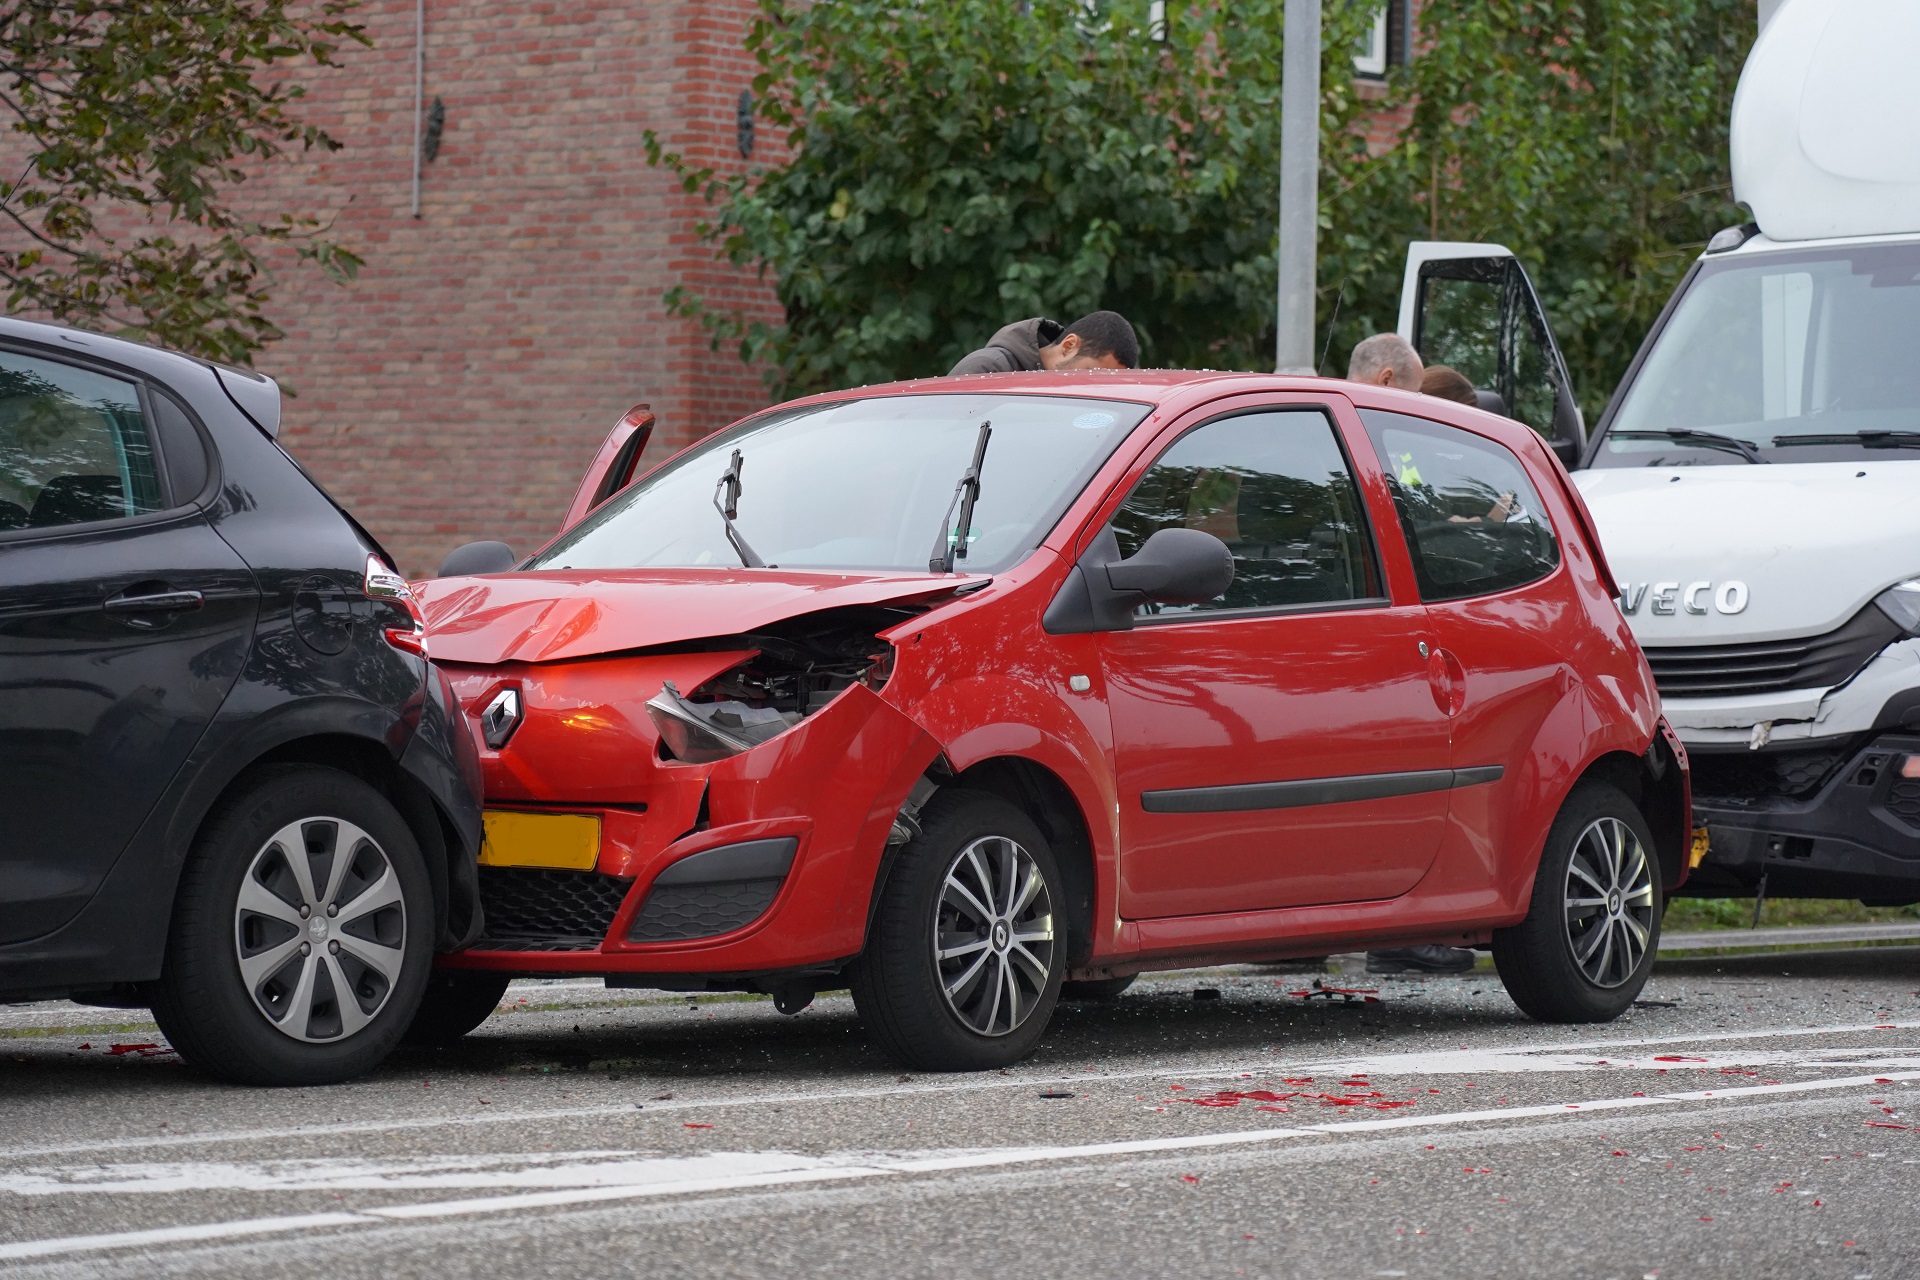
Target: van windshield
(1781, 357)
(859, 485)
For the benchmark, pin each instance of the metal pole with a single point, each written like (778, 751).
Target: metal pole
(1299, 186)
(419, 91)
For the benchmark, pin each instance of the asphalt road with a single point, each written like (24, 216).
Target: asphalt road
(1750, 1118)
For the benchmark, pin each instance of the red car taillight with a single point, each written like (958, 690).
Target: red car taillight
(382, 583)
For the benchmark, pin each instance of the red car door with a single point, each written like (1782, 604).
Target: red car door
(1487, 563)
(1282, 745)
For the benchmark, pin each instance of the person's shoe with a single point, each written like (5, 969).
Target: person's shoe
(1430, 958)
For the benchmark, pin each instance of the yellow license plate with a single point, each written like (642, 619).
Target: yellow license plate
(563, 841)
(1698, 853)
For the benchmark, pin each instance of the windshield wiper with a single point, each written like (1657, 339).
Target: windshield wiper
(1706, 439)
(730, 486)
(1868, 439)
(965, 494)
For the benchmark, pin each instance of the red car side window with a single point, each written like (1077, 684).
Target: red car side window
(1474, 522)
(1273, 485)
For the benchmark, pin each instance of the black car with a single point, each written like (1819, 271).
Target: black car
(232, 787)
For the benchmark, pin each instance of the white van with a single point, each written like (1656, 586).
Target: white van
(1756, 477)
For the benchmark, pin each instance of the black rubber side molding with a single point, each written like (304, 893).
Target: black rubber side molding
(1311, 791)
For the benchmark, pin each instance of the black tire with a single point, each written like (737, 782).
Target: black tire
(1561, 964)
(1097, 988)
(897, 983)
(456, 1001)
(201, 1000)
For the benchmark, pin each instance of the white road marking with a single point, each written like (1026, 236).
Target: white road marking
(889, 1167)
(516, 1170)
(1271, 1066)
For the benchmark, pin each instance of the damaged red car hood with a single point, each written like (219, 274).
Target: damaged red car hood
(551, 616)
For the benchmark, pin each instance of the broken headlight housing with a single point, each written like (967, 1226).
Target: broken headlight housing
(702, 732)
(793, 673)
(1901, 602)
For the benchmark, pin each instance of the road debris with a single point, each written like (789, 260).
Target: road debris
(1344, 995)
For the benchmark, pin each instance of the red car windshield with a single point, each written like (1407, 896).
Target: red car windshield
(860, 485)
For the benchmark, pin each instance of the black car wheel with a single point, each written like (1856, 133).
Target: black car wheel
(302, 932)
(963, 963)
(1588, 943)
(456, 1001)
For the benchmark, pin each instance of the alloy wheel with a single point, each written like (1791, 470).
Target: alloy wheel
(993, 935)
(320, 929)
(1609, 902)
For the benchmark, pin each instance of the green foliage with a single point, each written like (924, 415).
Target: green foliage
(134, 119)
(960, 164)
(1588, 136)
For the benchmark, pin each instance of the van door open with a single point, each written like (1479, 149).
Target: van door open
(1471, 307)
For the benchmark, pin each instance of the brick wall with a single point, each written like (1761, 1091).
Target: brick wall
(459, 387)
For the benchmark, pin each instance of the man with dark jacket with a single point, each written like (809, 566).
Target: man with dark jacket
(1098, 340)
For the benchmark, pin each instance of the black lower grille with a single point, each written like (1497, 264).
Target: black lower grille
(1811, 662)
(1904, 800)
(1748, 775)
(701, 910)
(528, 909)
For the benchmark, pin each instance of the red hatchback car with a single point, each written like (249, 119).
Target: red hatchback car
(957, 690)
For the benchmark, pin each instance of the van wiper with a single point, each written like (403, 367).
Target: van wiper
(965, 494)
(1705, 439)
(1868, 439)
(730, 487)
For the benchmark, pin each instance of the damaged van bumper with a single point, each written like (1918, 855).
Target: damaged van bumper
(1832, 821)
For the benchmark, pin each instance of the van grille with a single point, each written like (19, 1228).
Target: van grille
(1811, 662)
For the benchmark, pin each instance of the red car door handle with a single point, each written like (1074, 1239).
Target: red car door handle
(155, 602)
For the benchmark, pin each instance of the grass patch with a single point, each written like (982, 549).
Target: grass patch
(1687, 915)
(87, 1029)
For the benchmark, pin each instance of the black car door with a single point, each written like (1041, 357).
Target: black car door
(124, 620)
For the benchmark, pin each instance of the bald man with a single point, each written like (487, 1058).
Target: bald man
(1385, 360)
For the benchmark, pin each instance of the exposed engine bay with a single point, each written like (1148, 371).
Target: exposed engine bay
(800, 665)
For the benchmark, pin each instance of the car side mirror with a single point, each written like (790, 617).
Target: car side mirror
(478, 557)
(1174, 566)
(1567, 451)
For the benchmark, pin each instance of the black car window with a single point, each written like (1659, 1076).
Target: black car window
(181, 449)
(1277, 489)
(74, 446)
(1474, 522)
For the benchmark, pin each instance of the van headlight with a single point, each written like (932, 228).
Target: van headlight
(1901, 602)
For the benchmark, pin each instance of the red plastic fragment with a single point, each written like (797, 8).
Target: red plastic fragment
(696, 1126)
(1189, 1177)
(1677, 1057)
